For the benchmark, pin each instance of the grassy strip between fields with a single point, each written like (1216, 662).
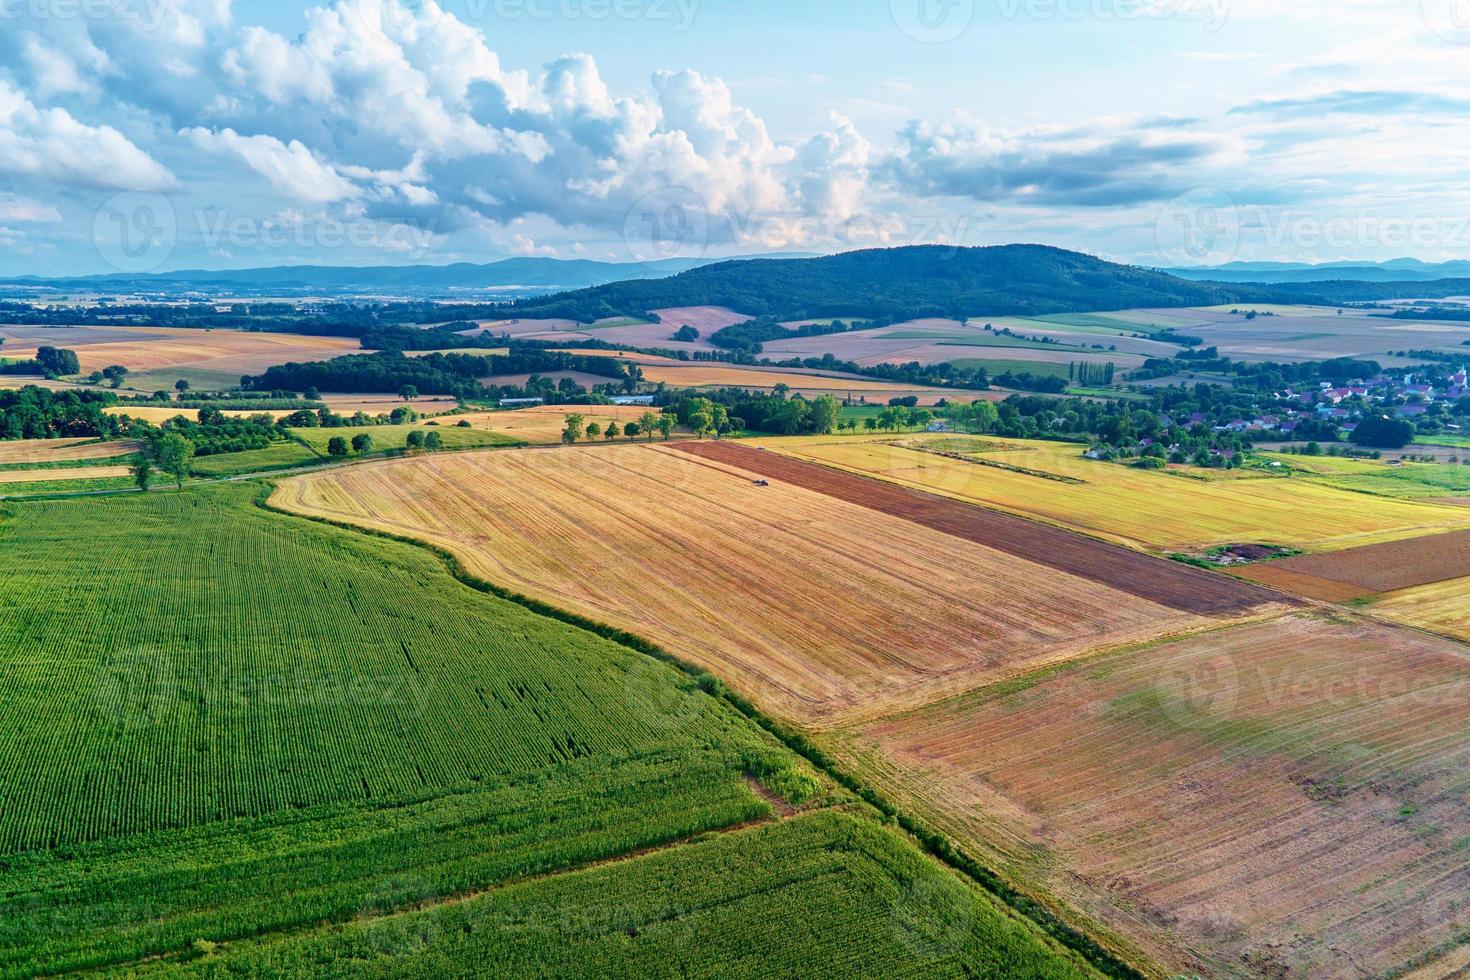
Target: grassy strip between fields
(122, 459)
(1105, 960)
(62, 488)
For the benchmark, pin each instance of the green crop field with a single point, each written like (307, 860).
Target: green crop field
(1043, 369)
(289, 665)
(824, 895)
(277, 456)
(313, 740)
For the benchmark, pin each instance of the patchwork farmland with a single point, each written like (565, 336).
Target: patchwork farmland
(1176, 776)
(1150, 510)
(860, 610)
(202, 782)
(157, 356)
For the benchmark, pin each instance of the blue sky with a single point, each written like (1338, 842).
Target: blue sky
(139, 135)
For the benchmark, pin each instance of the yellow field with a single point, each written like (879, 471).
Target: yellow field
(622, 355)
(678, 375)
(50, 475)
(1138, 508)
(234, 352)
(543, 425)
(471, 351)
(823, 610)
(61, 450)
(384, 404)
(1443, 607)
(160, 415)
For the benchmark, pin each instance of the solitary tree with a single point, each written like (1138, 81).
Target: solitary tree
(182, 387)
(593, 431)
(143, 472)
(175, 454)
(575, 430)
(408, 393)
(416, 439)
(362, 443)
(612, 431)
(631, 430)
(666, 425)
(647, 422)
(336, 447)
(433, 442)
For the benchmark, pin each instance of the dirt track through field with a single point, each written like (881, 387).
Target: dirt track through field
(1167, 583)
(1358, 572)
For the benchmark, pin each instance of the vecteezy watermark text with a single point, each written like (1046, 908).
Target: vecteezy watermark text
(137, 232)
(148, 14)
(939, 21)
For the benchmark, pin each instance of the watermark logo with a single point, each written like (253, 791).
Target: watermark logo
(933, 917)
(1450, 19)
(136, 232)
(658, 696)
(1198, 694)
(933, 21)
(411, 21)
(1200, 227)
(137, 688)
(669, 223)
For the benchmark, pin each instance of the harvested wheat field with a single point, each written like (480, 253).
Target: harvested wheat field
(1144, 509)
(369, 404)
(543, 425)
(228, 352)
(1443, 607)
(62, 450)
(1360, 572)
(157, 416)
(63, 474)
(705, 319)
(679, 375)
(1174, 585)
(820, 609)
(1278, 799)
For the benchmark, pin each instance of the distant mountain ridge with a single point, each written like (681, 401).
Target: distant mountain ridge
(1394, 270)
(523, 275)
(910, 282)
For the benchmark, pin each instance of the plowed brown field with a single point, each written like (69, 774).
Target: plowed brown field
(1359, 572)
(1168, 583)
(1281, 799)
(821, 609)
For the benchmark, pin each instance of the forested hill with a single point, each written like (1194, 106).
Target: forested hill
(901, 283)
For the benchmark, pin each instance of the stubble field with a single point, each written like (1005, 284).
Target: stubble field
(34, 451)
(1279, 799)
(818, 608)
(208, 358)
(544, 424)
